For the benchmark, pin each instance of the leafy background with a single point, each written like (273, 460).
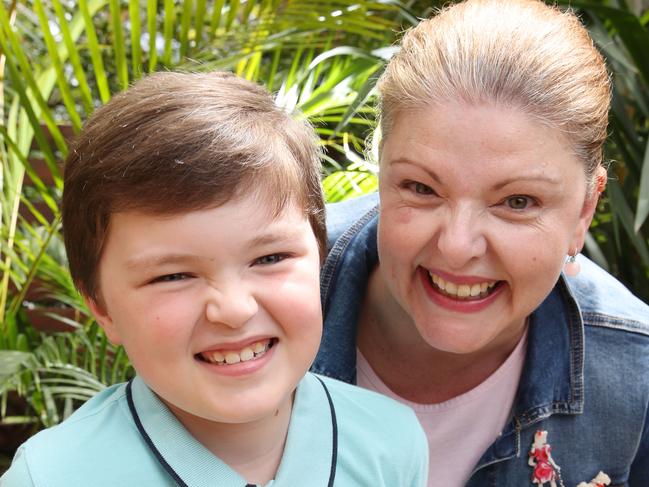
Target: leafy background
(61, 59)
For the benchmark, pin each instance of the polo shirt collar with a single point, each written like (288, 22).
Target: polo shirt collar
(191, 464)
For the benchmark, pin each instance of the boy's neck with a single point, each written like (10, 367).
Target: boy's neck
(254, 450)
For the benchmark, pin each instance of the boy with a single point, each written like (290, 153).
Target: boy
(194, 225)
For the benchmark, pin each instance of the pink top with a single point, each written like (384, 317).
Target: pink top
(456, 439)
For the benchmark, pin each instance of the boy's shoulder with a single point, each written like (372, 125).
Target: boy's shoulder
(98, 442)
(380, 439)
(368, 405)
(370, 416)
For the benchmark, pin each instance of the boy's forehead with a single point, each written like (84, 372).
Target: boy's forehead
(278, 215)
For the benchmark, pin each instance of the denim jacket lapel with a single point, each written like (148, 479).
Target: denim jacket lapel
(552, 381)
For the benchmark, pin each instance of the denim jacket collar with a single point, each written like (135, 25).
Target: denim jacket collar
(342, 295)
(553, 376)
(552, 381)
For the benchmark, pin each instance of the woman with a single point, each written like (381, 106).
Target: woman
(451, 298)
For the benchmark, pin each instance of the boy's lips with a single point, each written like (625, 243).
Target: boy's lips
(234, 354)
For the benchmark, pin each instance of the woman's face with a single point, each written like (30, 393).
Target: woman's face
(479, 206)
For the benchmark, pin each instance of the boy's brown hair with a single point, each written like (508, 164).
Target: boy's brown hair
(176, 143)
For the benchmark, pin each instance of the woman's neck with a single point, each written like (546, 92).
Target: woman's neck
(254, 449)
(410, 367)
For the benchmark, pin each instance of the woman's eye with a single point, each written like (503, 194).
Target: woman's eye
(519, 202)
(270, 259)
(421, 188)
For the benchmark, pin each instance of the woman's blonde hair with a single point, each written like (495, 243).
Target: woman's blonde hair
(520, 53)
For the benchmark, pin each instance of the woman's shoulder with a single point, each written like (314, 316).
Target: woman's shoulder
(606, 302)
(342, 215)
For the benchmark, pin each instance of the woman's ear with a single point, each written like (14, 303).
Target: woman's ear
(588, 211)
(100, 312)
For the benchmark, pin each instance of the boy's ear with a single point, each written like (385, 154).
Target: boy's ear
(100, 312)
(588, 210)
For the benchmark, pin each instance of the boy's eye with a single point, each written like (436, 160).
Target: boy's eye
(270, 259)
(519, 202)
(178, 276)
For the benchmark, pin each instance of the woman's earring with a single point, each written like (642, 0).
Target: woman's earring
(571, 267)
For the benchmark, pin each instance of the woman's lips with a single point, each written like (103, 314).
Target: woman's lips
(460, 297)
(476, 290)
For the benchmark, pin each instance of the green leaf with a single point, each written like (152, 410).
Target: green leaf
(168, 32)
(136, 34)
(62, 83)
(151, 12)
(622, 211)
(629, 28)
(118, 43)
(642, 210)
(30, 113)
(201, 9)
(73, 54)
(232, 13)
(11, 363)
(95, 53)
(217, 10)
(185, 22)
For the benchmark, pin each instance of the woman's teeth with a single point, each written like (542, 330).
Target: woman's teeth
(461, 291)
(230, 357)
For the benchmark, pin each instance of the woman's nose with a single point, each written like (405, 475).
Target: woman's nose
(461, 237)
(232, 305)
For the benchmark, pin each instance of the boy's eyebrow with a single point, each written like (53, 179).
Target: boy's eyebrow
(162, 259)
(275, 236)
(268, 238)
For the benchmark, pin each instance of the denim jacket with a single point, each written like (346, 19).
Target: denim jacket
(586, 374)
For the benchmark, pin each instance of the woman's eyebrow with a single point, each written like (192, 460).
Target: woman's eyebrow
(410, 162)
(530, 178)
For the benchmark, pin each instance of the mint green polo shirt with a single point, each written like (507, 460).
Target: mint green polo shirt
(339, 435)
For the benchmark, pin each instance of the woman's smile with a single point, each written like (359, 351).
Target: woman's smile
(464, 298)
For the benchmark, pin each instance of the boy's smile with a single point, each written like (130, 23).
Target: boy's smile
(232, 354)
(233, 360)
(218, 309)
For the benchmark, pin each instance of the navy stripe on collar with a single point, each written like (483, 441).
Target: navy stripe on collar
(173, 474)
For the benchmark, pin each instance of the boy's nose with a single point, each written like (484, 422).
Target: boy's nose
(232, 307)
(461, 238)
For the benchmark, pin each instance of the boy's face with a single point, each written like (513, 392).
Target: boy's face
(218, 309)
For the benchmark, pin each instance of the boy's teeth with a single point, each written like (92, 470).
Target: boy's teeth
(231, 357)
(246, 354)
(462, 291)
